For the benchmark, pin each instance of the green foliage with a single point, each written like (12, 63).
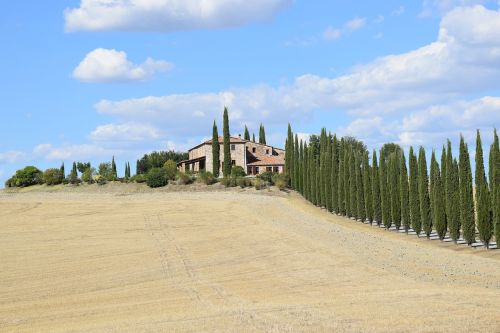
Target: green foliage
(384, 192)
(483, 201)
(266, 176)
(207, 178)
(376, 199)
(394, 188)
(360, 194)
(73, 176)
(262, 134)
(113, 169)
(81, 166)
(170, 169)
(295, 175)
(390, 148)
(289, 151)
(334, 175)
(404, 195)
(423, 193)
(61, 172)
(247, 134)
(281, 180)
(158, 159)
(28, 176)
(105, 172)
(238, 171)
(243, 182)
(259, 184)
(139, 178)
(226, 170)
(52, 176)
(353, 212)
(452, 192)
(216, 151)
(414, 194)
(184, 178)
(88, 175)
(494, 174)
(156, 177)
(437, 199)
(341, 182)
(466, 198)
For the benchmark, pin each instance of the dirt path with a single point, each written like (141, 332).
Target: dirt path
(228, 262)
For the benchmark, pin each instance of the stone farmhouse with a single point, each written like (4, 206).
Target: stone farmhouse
(255, 158)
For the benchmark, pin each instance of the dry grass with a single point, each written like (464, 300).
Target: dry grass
(227, 262)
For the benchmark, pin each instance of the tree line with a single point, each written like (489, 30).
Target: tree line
(387, 189)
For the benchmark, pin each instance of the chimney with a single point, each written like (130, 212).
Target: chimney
(239, 136)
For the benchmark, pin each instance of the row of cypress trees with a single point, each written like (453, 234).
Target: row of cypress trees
(336, 174)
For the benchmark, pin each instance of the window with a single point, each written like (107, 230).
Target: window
(267, 151)
(249, 170)
(233, 147)
(256, 170)
(276, 169)
(254, 150)
(233, 162)
(269, 169)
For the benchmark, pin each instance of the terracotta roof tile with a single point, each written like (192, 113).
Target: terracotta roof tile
(268, 160)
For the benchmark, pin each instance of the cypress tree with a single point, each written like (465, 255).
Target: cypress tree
(334, 175)
(395, 191)
(452, 195)
(296, 163)
(73, 176)
(301, 167)
(367, 187)
(215, 151)
(62, 172)
(377, 203)
(262, 135)
(347, 198)
(246, 136)
(423, 193)
(360, 192)
(226, 170)
(437, 199)
(405, 201)
(443, 183)
(289, 151)
(253, 137)
(466, 199)
(318, 183)
(126, 171)
(384, 191)
(352, 184)
(322, 156)
(340, 184)
(305, 170)
(113, 168)
(328, 174)
(312, 170)
(494, 172)
(414, 198)
(483, 201)
(129, 172)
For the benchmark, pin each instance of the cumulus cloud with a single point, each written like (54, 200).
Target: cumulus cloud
(73, 152)
(103, 65)
(395, 87)
(355, 24)
(167, 15)
(332, 33)
(441, 7)
(127, 132)
(12, 156)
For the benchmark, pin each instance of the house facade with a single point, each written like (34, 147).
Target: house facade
(255, 158)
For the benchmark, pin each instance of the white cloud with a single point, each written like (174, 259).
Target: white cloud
(126, 133)
(355, 24)
(331, 33)
(441, 7)
(73, 152)
(394, 89)
(167, 15)
(12, 156)
(103, 65)
(398, 11)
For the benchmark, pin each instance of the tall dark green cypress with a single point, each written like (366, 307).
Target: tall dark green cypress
(215, 151)
(483, 201)
(340, 181)
(360, 192)
(423, 193)
(246, 136)
(395, 191)
(334, 175)
(414, 197)
(377, 202)
(367, 187)
(352, 184)
(289, 151)
(305, 172)
(62, 173)
(301, 167)
(73, 176)
(466, 198)
(384, 191)
(347, 198)
(296, 163)
(404, 196)
(262, 135)
(443, 182)
(253, 137)
(328, 174)
(452, 195)
(318, 183)
(437, 199)
(113, 169)
(126, 171)
(226, 170)
(494, 171)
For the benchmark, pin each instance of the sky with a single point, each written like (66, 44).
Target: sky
(91, 79)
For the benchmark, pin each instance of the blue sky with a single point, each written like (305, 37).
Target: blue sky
(86, 80)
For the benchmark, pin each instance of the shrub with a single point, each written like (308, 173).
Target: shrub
(11, 182)
(139, 178)
(170, 169)
(105, 171)
(281, 180)
(87, 175)
(184, 178)
(28, 176)
(100, 180)
(156, 177)
(52, 176)
(266, 176)
(238, 171)
(207, 178)
(259, 184)
(243, 182)
(229, 181)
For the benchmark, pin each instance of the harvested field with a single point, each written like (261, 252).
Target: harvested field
(236, 261)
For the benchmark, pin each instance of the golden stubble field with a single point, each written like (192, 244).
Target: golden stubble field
(228, 262)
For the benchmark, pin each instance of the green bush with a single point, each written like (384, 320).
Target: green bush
(100, 180)
(266, 176)
(88, 175)
(184, 178)
(228, 181)
(242, 182)
(281, 180)
(170, 169)
(207, 178)
(237, 171)
(105, 171)
(259, 184)
(11, 182)
(28, 176)
(52, 176)
(156, 177)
